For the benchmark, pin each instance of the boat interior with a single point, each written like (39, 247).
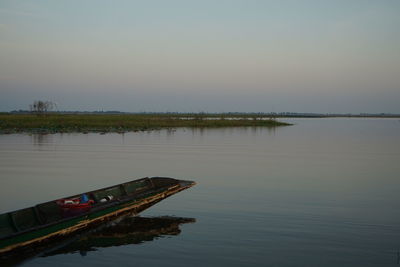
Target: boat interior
(50, 212)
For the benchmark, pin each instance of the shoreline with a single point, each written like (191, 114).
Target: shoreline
(122, 123)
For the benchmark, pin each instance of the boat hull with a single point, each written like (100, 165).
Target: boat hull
(70, 226)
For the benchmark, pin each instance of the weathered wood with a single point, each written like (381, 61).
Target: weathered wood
(117, 208)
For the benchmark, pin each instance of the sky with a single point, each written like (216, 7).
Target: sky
(318, 56)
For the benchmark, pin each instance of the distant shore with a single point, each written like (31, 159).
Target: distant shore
(121, 123)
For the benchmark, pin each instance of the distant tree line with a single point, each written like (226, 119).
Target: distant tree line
(40, 107)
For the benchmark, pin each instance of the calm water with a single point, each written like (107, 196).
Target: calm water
(324, 192)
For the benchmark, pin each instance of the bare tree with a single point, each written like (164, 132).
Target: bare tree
(41, 107)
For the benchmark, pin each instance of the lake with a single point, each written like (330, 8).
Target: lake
(323, 192)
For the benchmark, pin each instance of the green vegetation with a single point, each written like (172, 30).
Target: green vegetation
(60, 123)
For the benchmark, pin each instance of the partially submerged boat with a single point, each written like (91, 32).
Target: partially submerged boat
(59, 218)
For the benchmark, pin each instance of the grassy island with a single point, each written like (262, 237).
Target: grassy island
(107, 123)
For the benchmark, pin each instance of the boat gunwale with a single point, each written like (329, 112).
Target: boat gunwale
(112, 203)
(150, 200)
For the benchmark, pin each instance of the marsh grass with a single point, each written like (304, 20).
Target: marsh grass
(58, 123)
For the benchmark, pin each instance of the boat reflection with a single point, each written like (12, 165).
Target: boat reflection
(126, 231)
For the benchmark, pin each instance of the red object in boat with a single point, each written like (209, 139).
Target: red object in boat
(74, 203)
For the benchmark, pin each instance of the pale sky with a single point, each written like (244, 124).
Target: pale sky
(213, 56)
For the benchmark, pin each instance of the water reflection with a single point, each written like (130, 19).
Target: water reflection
(255, 130)
(128, 230)
(52, 141)
(42, 139)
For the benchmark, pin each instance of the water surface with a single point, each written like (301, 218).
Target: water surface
(324, 192)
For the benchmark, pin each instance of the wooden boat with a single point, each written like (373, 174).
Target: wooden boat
(55, 219)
